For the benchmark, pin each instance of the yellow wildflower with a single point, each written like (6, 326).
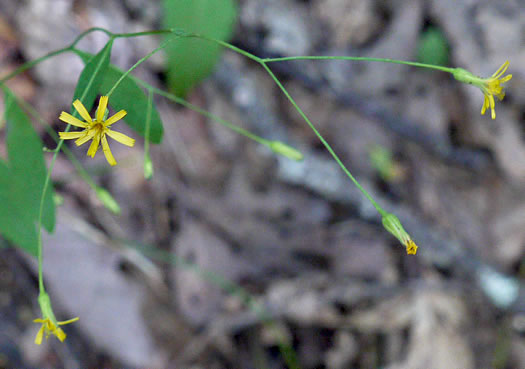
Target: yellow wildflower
(492, 86)
(95, 129)
(50, 328)
(49, 323)
(393, 225)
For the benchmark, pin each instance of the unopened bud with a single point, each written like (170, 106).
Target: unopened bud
(393, 225)
(107, 200)
(148, 167)
(283, 149)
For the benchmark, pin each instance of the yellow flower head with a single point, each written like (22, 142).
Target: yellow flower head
(50, 328)
(392, 224)
(492, 86)
(95, 129)
(49, 322)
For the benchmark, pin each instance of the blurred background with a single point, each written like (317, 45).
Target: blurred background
(297, 237)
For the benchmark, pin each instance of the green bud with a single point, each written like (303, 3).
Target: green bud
(45, 307)
(58, 199)
(283, 149)
(393, 225)
(148, 167)
(381, 160)
(463, 75)
(107, 200)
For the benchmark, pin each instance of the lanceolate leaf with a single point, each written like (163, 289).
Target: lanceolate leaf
(16, 221)
(26, 161)
(92, 76)
(191, 60)
(130, 97)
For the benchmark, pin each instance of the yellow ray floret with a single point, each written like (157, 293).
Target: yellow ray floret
(95, 129)
(492, 86)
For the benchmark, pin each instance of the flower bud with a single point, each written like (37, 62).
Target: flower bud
(393, 225)
(148, 167)
(107, 200)
(281, 148)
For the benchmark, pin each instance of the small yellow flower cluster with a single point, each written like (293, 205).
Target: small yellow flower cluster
(95, 129)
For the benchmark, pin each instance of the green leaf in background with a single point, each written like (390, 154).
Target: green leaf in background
(91, 78)
(433, 47)
(191, 60)
(130, 97)
(22, 181)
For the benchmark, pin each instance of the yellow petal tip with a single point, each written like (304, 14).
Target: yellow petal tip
(411, 247)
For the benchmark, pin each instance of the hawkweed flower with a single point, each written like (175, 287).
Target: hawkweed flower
(49, 323)
(95, 129)
(492, 86)
(393, 225)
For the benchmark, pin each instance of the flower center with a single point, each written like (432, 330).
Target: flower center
(98, 126)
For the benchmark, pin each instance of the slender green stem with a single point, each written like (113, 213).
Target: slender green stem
(149, 55)
(292, 101)
(207, 114)
(359, 58)
(201, 111)
(321, 138)
(145, 33)
(85, 33)
(32, 63)
(148, 166)
(70, 47)
(263, 63)
(39, 227)
(228, 46)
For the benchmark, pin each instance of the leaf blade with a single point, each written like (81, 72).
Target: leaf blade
(16, 225)
(26, 161)
(191, 60)
(92, 77)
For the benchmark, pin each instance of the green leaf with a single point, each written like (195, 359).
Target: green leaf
(22, 181)
(16, 221)
(92, 76)
(130, 97)
(26, 160)
(433, 47)
(191, 60)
